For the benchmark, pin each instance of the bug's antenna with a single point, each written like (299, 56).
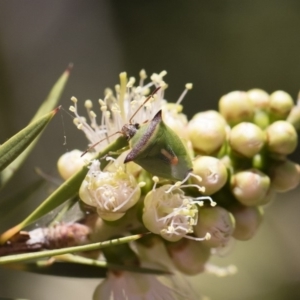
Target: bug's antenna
(147, 99)
(93, 146)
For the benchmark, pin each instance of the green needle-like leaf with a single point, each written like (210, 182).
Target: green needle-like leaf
(103, 264)
(50, 253)
(61, 269)
(53, 97)
(49, 104)
(20, 141)
(88, 269)
(67, 190)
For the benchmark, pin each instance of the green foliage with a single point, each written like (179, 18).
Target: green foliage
(17, 155)
(17, 144)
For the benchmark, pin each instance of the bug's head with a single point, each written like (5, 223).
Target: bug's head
(129, 130)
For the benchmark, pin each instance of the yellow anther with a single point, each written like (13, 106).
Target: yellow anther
(201, 189)
(163, 85)
(163, 73)
(88, 104)
(142, 184)
(108, 92)
(101, 102)
(143, 74)
(92, 114)
(208, 236)
(146, 91)
(155, 179)
(130, 82)
(72, 108)
(178, 183)
(76, 121)
(189, 86)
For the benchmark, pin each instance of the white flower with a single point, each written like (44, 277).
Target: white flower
(126, 106)
(170, 213)
(112, 193)
(117, 108)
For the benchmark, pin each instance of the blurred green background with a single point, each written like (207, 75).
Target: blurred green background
(220, 46)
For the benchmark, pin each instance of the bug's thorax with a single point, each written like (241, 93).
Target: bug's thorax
(129, 130)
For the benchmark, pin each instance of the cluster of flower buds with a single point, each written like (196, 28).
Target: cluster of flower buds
(242, 153)
(236, 157)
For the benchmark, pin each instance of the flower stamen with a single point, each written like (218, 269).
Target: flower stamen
(188, 87)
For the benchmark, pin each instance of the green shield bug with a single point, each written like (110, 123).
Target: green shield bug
(157, 148)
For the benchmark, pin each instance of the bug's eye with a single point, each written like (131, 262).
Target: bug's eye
(137, 125)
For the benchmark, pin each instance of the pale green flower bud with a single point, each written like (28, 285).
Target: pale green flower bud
(281, 138)
(212, 171)
(218, 222)
(259, 98)
(285, 175)
(170, 213)
(247, 221)
(212, 115)
(189, 256)
(250, 186)
(246, 139)
(236, 107)
(207, 132)
(112, 193)
(281, 104)
(71, 162)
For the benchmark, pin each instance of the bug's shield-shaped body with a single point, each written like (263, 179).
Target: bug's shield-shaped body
(159, 150)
